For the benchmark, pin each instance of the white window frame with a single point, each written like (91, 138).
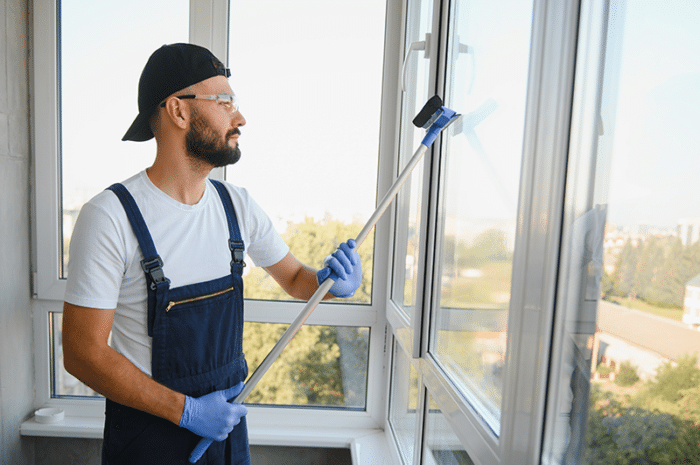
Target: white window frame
(269, 424)
(535, 265)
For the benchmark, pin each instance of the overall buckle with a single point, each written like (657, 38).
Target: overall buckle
(154, 271)
(237, 252)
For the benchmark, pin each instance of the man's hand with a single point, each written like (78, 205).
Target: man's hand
(212, 416)
(345, 268)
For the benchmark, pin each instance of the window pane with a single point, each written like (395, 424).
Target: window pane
(63, 384)
(442, 447)
(629, 381)
(403, 403)
(410, 198)
(322, 366)
(103, 48)
(481, 182)
(310, 90)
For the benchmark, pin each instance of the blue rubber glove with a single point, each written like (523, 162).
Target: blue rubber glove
(212, 416)
(345, 268)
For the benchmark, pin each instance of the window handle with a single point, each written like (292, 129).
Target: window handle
(415, 46)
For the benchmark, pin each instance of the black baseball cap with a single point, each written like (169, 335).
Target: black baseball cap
(169, 69)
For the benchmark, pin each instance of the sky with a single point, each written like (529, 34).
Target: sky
(312, 106)
(656, 154)
(308, 85)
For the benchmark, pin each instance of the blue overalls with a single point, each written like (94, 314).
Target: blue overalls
(196, 335)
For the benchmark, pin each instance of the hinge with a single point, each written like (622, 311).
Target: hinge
(386, 330)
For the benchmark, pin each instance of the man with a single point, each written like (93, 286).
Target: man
(157, 260)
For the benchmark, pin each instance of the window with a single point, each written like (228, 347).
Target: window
(328, 165)
(97, 62)
(478, 205)
(626, 370)
(310, 90)
(403, 403)
(476, 233)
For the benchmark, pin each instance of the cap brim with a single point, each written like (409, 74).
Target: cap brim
(139, 130)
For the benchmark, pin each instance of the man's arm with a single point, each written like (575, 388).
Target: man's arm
(297, 279)
(88, 357)
(343, 266)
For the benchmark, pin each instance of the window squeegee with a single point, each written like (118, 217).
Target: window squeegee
(434, 117)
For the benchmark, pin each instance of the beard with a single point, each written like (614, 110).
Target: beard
(204, 144)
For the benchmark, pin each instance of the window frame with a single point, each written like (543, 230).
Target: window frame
(549, 97)
(209, 27)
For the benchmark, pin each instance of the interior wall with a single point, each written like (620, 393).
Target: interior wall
(64, 451)
(16, 338)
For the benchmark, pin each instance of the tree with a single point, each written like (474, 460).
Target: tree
(309, 369)
(311, 241)
(681, 264)
(627, 376)
(626, 268)
(671, 380)
(651, 258)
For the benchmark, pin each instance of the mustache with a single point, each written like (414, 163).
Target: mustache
(233, 132)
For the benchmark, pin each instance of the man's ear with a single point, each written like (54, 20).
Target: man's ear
(178, 112)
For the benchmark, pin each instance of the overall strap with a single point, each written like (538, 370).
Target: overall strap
(157, 284)
(235, 242)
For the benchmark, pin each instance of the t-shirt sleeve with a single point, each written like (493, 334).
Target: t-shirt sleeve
(97, 260)
(266, 246)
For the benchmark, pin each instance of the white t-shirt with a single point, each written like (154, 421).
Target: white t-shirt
(105, 259)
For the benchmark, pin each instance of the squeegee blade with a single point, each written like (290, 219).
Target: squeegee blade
(427, 111)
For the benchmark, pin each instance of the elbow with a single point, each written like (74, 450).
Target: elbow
(79, 358)
(71, 362)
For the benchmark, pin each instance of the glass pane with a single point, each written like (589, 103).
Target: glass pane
(409, 200)
(481, 182)
(310, 90)
(629, 381)
(103, 48)
(323, 366)
(442, 447)
(63, 384)
(403, 403)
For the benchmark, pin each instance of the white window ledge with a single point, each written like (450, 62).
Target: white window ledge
(367, 446)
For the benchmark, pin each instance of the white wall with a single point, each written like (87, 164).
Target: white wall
(16, 339)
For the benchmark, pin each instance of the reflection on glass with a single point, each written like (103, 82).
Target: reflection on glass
(103, 48)
(310, 90)
(323, 366)
(403, 403)
(629, 382)
(409, 200)
(481, 180)
(442, 447)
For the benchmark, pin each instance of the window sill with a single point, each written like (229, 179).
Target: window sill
(367, 446)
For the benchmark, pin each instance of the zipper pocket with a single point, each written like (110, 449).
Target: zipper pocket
(171, 304)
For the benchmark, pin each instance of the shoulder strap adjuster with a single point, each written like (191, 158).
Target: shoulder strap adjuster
(237, 252)
(154, 271)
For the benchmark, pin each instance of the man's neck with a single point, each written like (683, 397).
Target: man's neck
(180, 178)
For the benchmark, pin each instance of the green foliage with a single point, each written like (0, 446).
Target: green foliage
(626, 268)
(655, 271)
(620, 435)
(659, 425)
(310, 242)
(604, 369)
(671, 380)
(308, 372)
(627, 376)
(685, 449)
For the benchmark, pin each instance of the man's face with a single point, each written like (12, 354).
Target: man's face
(205, 143)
